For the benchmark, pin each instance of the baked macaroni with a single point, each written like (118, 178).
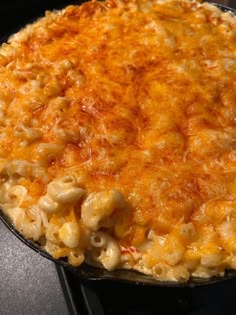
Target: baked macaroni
(118, 138)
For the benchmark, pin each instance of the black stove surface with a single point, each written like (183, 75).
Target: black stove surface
(31, 284)
(110, 298)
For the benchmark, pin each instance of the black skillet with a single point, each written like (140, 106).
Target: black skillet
(88, 272)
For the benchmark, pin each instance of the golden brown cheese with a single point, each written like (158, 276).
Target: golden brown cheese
(137, 96)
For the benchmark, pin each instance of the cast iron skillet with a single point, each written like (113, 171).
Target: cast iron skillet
(88, 272)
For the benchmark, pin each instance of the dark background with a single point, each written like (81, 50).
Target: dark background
(15, 13)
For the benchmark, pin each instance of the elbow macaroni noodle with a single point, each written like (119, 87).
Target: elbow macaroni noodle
(117, 143)
(107, 250)
(98, 208)
(60, 192)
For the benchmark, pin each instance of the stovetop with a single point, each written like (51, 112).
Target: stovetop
(31, 284)
(110, 298)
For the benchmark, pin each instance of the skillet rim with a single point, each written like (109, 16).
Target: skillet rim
(87, 272)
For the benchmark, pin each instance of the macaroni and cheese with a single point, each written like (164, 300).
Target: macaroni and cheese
(118, 137)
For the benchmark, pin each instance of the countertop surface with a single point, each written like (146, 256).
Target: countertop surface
(28, 282)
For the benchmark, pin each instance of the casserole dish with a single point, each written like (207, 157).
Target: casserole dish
(102, 274)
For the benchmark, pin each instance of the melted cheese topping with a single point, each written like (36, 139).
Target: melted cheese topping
(137, 96)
